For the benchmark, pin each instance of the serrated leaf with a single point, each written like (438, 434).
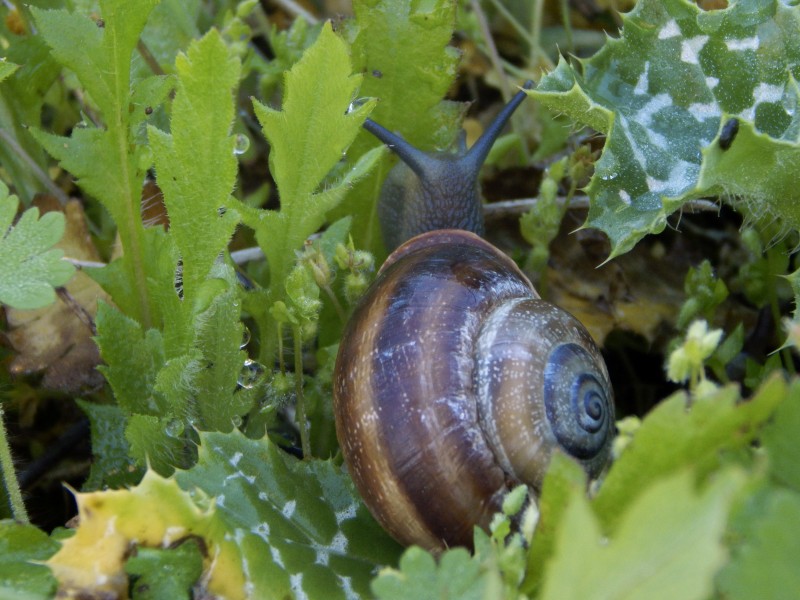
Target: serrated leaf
(195, 163)
(220, 402)
(106, 161)
(404, 49)
(308, 138)
(31, 267)
(663, 92)
(271, 525)
(22, 548)
(130, 368)
(674, 436)
(112, 465)
(301, 523)
(165, 573)
(311, 131)
(763, 565)
(667, 544)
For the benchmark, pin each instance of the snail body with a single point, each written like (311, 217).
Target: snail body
(430, 191)
(455, 382)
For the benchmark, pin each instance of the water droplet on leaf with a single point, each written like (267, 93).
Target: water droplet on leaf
(241, 143)
(175, 428)
(251, 374)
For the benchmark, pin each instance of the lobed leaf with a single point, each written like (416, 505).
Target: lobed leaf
(663, 93)
(106, 161)
(457, 575)
(31, 266)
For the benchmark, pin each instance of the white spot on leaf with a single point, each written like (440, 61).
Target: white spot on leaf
(740, 44)
(690, 49)
(296, 582)
(288, 509)
(670, 30)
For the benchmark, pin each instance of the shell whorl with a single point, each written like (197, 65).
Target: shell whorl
(542, 384)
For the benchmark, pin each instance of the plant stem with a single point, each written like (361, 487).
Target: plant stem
(302, 423)
(10, 477)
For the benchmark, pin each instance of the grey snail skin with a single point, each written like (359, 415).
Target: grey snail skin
(456, 382)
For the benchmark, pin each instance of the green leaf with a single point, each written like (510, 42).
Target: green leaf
(310, 133)
(7, 69)
(22, 549)
(312, 534)
(672, 438)
(763, 565)
(31, 266)
(106, 161)
(131, 367)
(457, 575)
(307, 138)
(663, 93)
(564, 479)
(781, 441)
(195, 163)
(219, 337)
(112, 465)
(165, 573)
(667, 544)
(21, 99)
(151, 443)
(272, 526)
(404, 49)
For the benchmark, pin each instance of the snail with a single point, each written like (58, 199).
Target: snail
(454, 380)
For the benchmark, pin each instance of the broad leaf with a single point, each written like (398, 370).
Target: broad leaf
(763, 562)
(667, 545)
(664, 93)
(675, 435)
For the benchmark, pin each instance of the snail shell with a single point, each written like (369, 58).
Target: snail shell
(455, 382)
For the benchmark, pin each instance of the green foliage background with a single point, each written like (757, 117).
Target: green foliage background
(191, 490)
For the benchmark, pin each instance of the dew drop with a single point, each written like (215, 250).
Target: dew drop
(245, 338)
(241, 143)
(251, 374)
(175, 428)
(356, 104)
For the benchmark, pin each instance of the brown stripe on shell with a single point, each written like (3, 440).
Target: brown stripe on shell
(358, 427)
